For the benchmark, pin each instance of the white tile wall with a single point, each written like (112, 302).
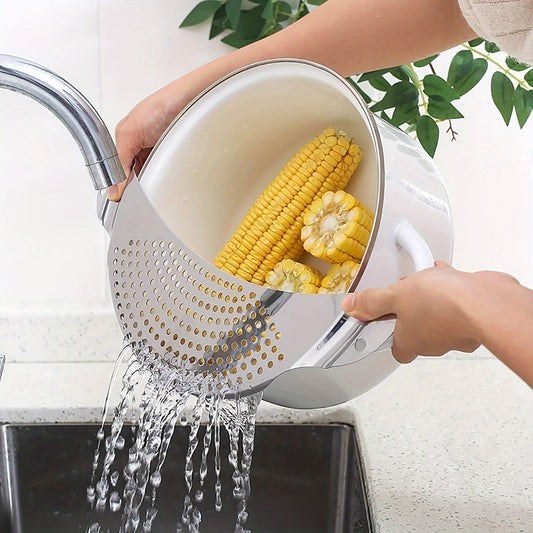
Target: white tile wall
(52, 247)
(489, 175)
(116, 52)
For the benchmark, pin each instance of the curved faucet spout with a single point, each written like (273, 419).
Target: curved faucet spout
(73, 109)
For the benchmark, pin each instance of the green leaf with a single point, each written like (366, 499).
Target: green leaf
(373, 74)
(440, 108)
(249, 29)
(316, 2)
(200, 12)
(283, 11)
(516, 65)
(400, 93)
(468, 82)
(528, 76)
(385, 117)
(523, 104)
(400, 72)
(491, 48)
(301, 11)
(465, 72)
(233, 10)
(427, 132)
(218, 24)
(410, 75)
(502, 91)
(459, 64)
(268, 12)
(380, 83)
(476, 42)
(365, 96)
(426, 61)
(435, 86)
(405, 113)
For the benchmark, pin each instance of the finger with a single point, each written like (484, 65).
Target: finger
(402, 355)
(128, 145)
(114, 193)
(402, 350)
(370, 303)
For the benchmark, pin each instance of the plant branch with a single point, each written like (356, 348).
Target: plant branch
(418, 85)
(501, 67)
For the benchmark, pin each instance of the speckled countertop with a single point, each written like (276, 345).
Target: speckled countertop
(447, 443)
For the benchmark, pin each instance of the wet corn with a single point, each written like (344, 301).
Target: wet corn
(271, 231)
(339, 278)
(289, 275)
(337, 227)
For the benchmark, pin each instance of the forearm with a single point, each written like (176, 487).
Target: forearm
(502, 314)
(349, 36)
(354, 36)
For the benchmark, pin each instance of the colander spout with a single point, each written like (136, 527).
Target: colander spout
(73, 109)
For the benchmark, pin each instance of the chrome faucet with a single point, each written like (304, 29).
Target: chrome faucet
(73, 109)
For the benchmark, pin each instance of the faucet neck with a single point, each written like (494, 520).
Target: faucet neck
(73, 109)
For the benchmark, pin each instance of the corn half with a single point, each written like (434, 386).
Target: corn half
(339, 278)
(271, 231)
(289, 275)
(337, 227)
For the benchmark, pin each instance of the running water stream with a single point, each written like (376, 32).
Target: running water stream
(163, 395)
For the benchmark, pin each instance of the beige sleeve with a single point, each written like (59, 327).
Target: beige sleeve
(508, 23)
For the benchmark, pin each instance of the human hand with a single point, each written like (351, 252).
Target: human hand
(137, 133)
(432, 311)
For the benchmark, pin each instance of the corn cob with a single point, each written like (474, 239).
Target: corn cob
(271, 230)
(337, 227)
(339, 278)
(288, 275)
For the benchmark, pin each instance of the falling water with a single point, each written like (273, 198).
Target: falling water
(163, 395)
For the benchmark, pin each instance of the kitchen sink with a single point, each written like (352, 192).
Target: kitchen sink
(305, 478)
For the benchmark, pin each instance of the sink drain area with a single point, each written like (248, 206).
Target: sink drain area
(304, 479)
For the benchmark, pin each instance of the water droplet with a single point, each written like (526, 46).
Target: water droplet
(114, 478)
(155, 479)
(115, 502)
(154, 412)
(238, 493)
(91, 494)
(133, 466)
(100, 504)
(150, 516)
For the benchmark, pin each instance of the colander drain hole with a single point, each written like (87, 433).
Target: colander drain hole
(244, 336)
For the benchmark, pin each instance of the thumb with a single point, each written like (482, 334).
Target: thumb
(369, 303)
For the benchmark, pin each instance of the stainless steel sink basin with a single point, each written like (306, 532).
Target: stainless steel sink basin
(305, 479)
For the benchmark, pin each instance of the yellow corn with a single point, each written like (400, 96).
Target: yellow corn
(288, 275)
(271, 230)
(337, 227)
(339, 278)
